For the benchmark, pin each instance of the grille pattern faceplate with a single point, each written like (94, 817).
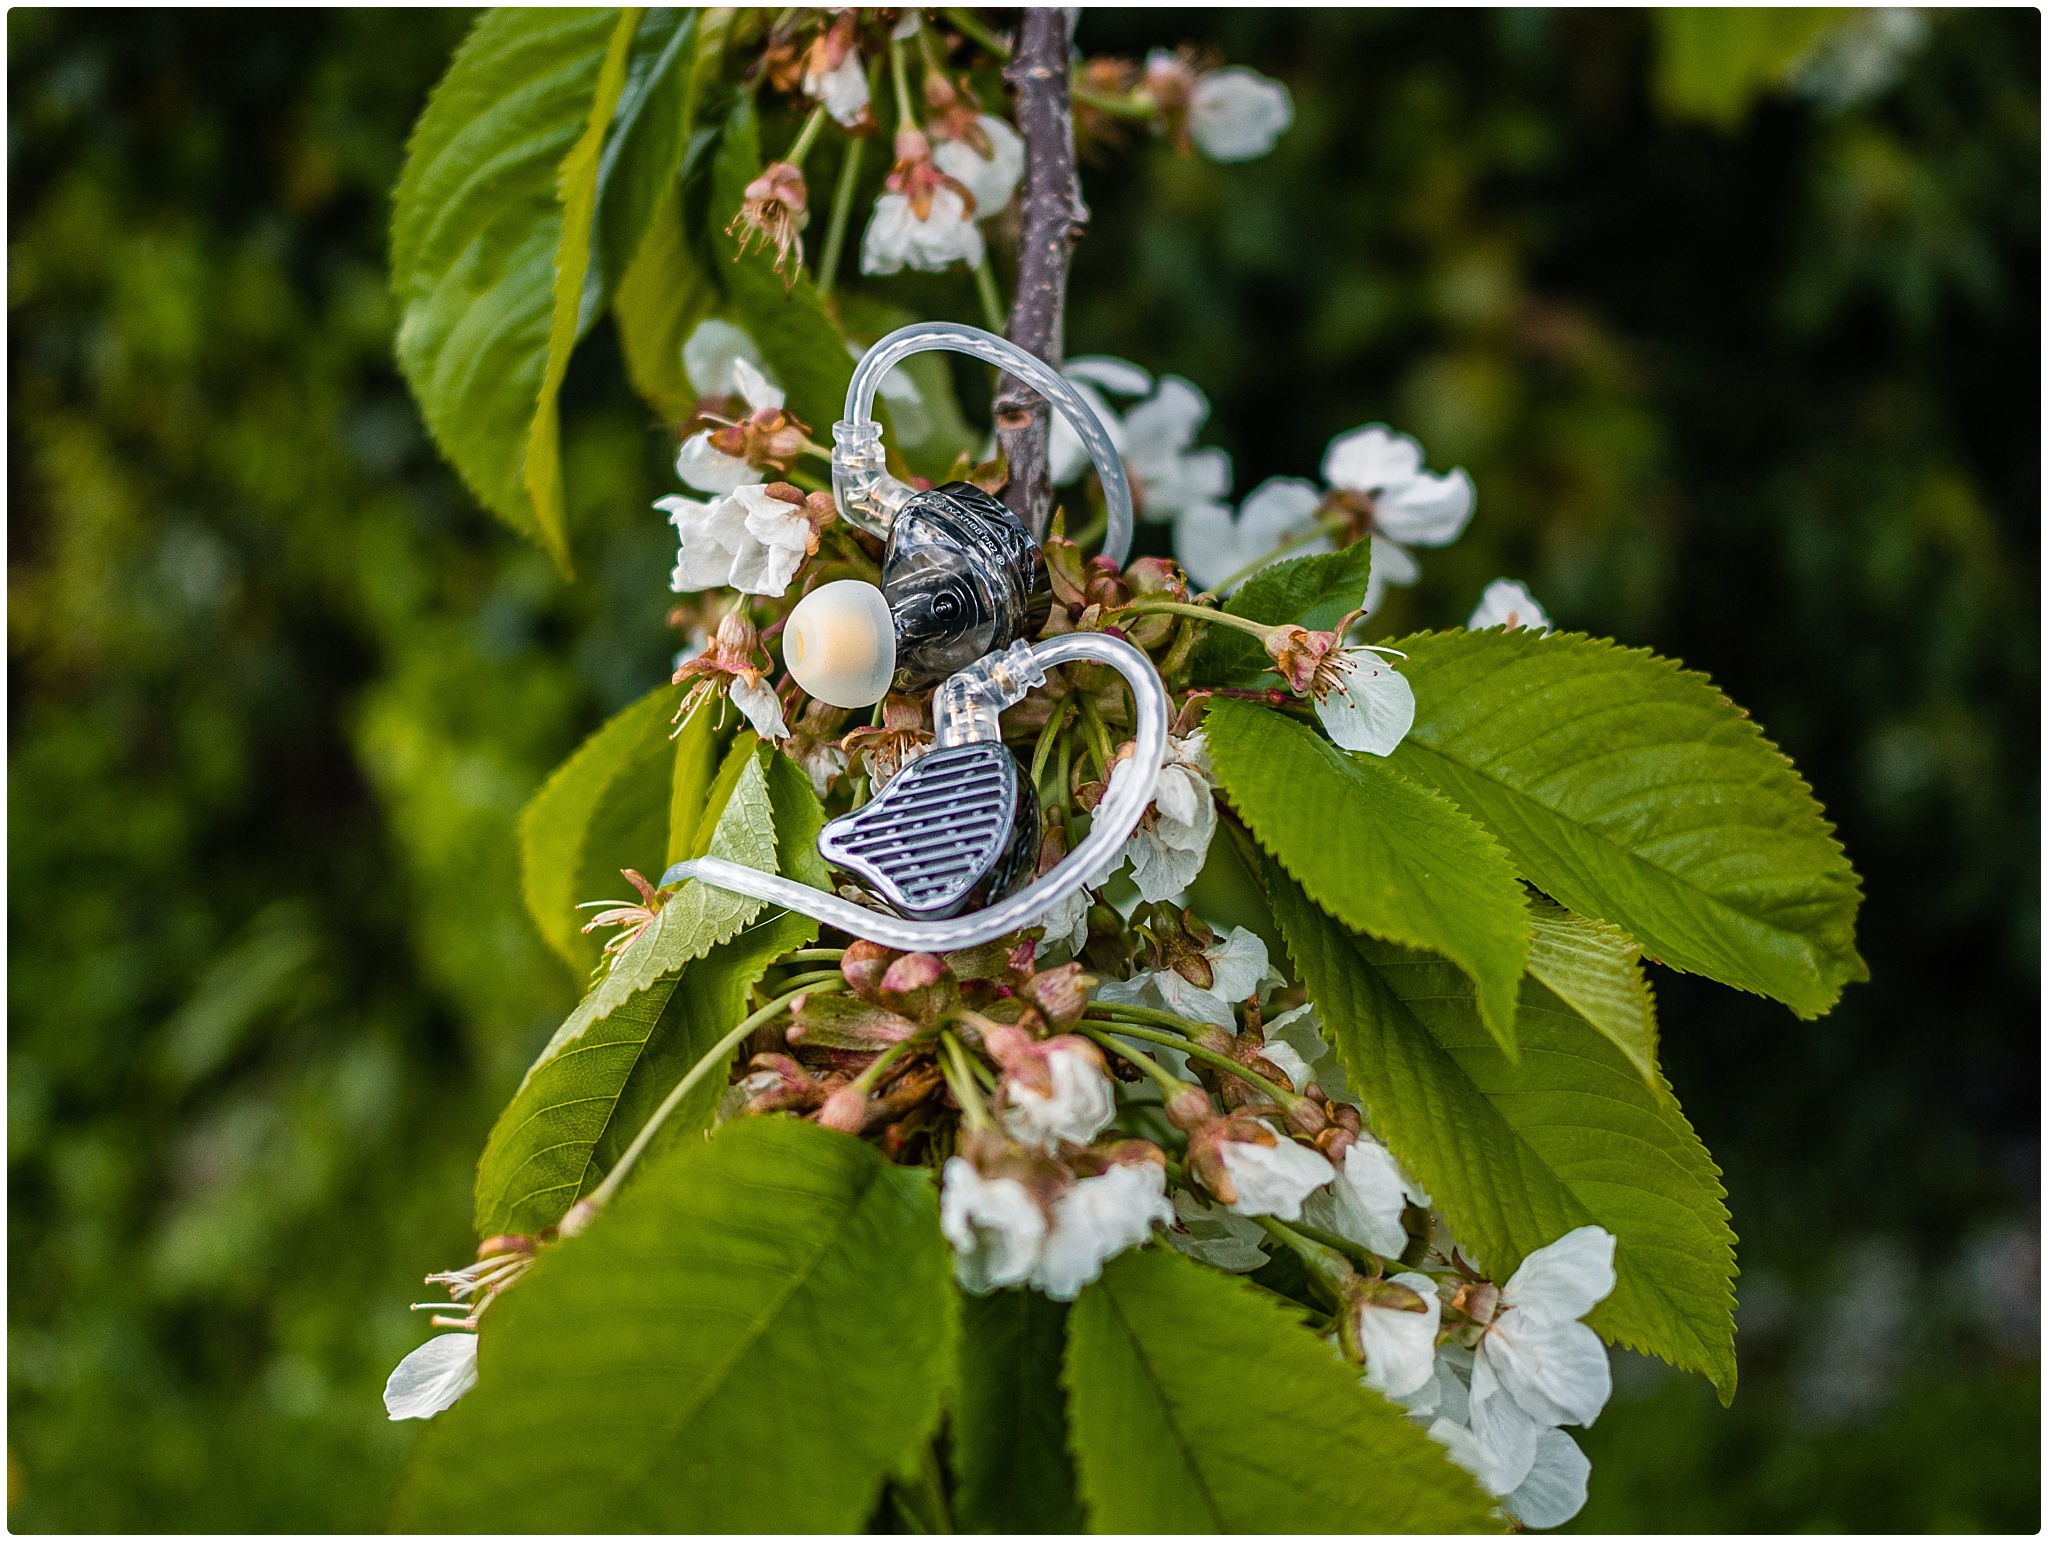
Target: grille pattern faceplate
(946, 823)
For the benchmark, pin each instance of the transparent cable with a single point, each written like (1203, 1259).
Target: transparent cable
(869, 496)
(1116, 816)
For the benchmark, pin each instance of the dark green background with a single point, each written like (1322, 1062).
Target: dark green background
(1764, 398)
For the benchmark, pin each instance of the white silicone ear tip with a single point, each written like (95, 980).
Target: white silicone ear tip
(840, 643)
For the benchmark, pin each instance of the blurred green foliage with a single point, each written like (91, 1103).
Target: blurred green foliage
(1760, 391)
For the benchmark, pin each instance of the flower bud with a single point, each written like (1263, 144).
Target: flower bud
(1060, 994)
(846, 1110)
(862, 967)
(1477, 1300)
(1190, 1108)
(919, 986)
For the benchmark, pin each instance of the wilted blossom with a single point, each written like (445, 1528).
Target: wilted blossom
(432, 1377)
(905, 733)
(1362, 702)
(630, 919)
(924, 219)
(815, 745)
(1171, 843)
(1054, 1231)
(1507, 603)
(1232, 114)
(773, 212)
(833, 75)
(729, 664)
(1238, 969)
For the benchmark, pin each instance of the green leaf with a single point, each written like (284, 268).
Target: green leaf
(1516, 1154)
(1010, 1417)
(1713, 63)
(1379, 853)
(664, 295)
(691, 776)
(795, 332)
(1595, 970)
(643, 149)
(1315, 592)
(605, 808)
(535, 1162)
(477, 231)
(756, 1332)
(714, 993)
(1199, 1404)
(1630, 789)
(577, 188)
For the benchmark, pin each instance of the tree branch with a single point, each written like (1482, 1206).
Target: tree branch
(1054, 218)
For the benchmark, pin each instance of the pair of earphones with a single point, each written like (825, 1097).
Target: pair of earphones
(948, 845)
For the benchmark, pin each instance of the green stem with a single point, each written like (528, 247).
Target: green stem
(1327, 1268)
(842, 212)
(865, 1082)
(806, 137)
(1047, 738)
(906, 115)
(991, 298)
(972, 27)
(1098, 736)
(1198, 612)
(1115, 106)
(1284, 1097)
(813, 956)
(961, 1079)
(1168, 1082)
(1362, 1256)
(1329, 524)
(586, 1209)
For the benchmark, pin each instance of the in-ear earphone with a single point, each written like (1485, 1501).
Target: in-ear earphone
(948, 841)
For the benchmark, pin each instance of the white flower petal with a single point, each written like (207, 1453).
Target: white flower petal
(1097, 1219)
(1299, 1030)
(1365, 1204)
(897, 238)
(1118, 376)
(1081, 1102)
(1158, 432)
(1274, 1180)
(754, 385)
(1066, 453)
(1400, 1347)
(432, 1377)
(1506, 1433)
(843, 89)
(709, 535)
(1426, 510)
(1240, 964)
(1278, 510)
(1207, 544)
(1565, 1279)
(995, 1226)
(761, 707)
(1509, 604)
(1238, 114)
(1370, 459)
(1556, 1371)
(710, 354)
(1284, 1055)
(1371, 709)
(992, 179)
(711, 470)
(1215, 1236)
(1555, 1489)
(1182, 997)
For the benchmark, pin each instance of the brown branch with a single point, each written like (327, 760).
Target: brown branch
(1054, 217)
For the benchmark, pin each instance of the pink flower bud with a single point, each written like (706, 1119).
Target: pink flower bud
(846, 1110)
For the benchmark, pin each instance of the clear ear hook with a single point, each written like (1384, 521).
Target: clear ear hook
(971, 699)
(868, 496)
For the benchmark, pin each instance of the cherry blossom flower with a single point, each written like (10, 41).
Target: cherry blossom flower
(1508, 604)
(994, 1224)
(711, 358)
(728, 664)
(1231, 114)
(1091, 375)
(1216, 1236)
(731, 454)
(977, 150)
(815, 745)
(432, 1377)
(833, 75)
(754, 539)
(1096, 1219)
(1365, 1202)
(1238, 968)
(1171, 843)
(1254, 1169)
(905, 733)
(924, 219)
(1377, 488)
(1172, 477)
(1395, 1331)
(1362, 702)
(1054, 1091)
